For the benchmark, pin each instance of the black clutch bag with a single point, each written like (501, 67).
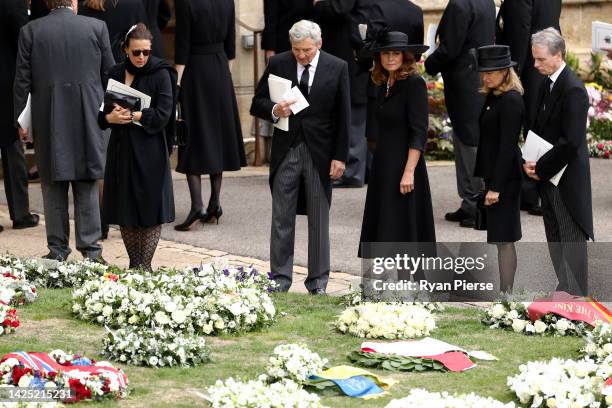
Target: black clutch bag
(125, 101)
(180, 129)
(481, 211)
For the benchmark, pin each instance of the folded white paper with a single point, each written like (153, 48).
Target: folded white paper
(432, 29)
(297, 95)
(534, 148)
(25, 118)
(278, 87)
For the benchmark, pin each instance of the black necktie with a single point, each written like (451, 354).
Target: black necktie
(304, 80)
(547, 90)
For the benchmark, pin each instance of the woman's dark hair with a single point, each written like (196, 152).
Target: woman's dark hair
(51, 4)
(137, 32)
(95, 4)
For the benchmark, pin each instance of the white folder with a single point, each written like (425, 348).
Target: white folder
(534, 148)
(278, 88)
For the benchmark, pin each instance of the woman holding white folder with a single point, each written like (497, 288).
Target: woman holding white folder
(498, 160)
(137, 182)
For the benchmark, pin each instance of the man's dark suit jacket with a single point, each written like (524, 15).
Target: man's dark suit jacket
(13, 15)
(324, 125)
(563, 124)
(398, 15)
(465, 24)
(279, 17)
(517, 20)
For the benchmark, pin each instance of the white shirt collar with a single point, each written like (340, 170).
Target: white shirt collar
(555, 76)
(313, 63)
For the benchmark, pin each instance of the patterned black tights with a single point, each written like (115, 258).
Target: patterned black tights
(141, 244)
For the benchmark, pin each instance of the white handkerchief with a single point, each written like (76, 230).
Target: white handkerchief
(25, 118)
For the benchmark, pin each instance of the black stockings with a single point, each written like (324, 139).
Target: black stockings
(141, 244)
(506, 257)
(195, 191)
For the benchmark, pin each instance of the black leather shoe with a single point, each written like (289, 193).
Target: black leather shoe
(537, 210)
(456, 216)
(468, 222)
(54, 257)
(105, 228)
(317, 291)
(99, 260)
(192, 218)
(213, 215)
(345, 184)
(1, 228)
(29, 221)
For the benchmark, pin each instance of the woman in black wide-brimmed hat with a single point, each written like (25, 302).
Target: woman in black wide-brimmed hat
(398, 202)
(498, 160)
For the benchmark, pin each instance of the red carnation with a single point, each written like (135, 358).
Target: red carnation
(430, 85)
(607, 154)
(80, 391)
(600, 146)
(15, 323)
(18, 372)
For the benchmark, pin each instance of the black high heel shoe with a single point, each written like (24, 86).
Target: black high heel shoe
(213, 215)
(192, 218)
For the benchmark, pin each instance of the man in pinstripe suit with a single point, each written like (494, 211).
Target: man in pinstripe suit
(561, 120)
(306, 158)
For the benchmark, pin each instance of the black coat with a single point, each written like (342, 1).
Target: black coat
(563, 124)
(324, 125)
(339, 21)
(38, 9)
(279, 17)
(137, 179)
(158, 15)
(401, 120)
(517, 20)
(465, 24)
(13, 15)
(398, 15)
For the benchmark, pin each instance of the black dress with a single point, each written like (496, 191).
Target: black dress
(205, 41)
(498, 162)
(137, 181)
(400, 121)
(119, 17)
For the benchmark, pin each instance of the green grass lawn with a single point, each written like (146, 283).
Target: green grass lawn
(48, 324)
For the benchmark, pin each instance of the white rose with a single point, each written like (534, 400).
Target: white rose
(107, 311)
(76, 307)
(153, 361)
(529, 328)
(551, 403)
(540, 326)
(220, 324)
(98, 307)
(170, 307)
(24, 381)
(513, 314)
(518, 325)
(100, 319)
(133, 319)
(607, 348)
(179, 316)
(562, 325)
(498, 311)
(161, 318)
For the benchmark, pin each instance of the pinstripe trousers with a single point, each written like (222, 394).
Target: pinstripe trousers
(566, 242)
(296, 166)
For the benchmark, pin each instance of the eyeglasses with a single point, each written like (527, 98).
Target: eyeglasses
(137, 53)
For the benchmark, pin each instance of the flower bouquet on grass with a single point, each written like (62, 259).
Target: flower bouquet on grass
(600, 149)
(295, 362)
(155, 347)
(420, 398)
(258, 393)
(8, 317)
(359, 296)
(85, 378)
(562, 383)
(599, 342)
(386, 321)
(514, 316)
(394, 362)
(16, 290)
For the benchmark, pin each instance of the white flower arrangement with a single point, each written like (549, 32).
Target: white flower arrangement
(420, 398)
(258, 393)
(15, 290)
(8, 319)
(511, 315)
(560, 383)
(386, 321)
(204, 301)
(295, 362)
(155, 347)
(599, 342)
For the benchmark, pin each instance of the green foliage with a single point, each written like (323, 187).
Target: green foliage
(394, 362)
(601, 129)
(572, 61)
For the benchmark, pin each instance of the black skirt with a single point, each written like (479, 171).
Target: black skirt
(214, 138)
(504, 217)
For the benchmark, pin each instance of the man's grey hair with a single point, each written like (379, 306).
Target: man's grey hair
(551, 39)
(305, 29)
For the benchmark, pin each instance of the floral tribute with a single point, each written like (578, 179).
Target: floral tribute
(562, 383)
(601, 149)
(259, 393)
(599, 342)
(295, 362)
(86, 378)
(510, 315)
(386, 321)
(8, 317)
(420, 398)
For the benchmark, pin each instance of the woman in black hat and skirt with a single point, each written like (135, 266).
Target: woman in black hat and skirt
(498, 160)
(398, 202)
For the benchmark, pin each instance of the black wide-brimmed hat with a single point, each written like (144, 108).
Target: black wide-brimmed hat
(491, 58)
(396, 41)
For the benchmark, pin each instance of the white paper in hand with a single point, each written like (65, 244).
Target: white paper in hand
(534, 148)
(277, 88)
(25, 118)
(297, 95)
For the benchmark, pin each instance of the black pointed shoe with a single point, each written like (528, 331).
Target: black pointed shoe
(192, 218)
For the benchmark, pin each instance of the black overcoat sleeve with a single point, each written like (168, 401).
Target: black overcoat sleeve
(417, 113)
(268, 37)
(261, 105)
(182, 40)
(510, 123)
(23, 72)
(517, 29)
(334, 8)
(343, 115)
(155, 118)
(452, 32)
(230, 38)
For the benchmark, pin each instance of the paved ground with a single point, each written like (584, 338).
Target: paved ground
(245, 226)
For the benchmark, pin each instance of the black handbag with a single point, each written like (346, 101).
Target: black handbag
(481, 211)
(180, 129)
(125, 101)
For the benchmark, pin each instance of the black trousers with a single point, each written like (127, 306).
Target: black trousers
(15, 180)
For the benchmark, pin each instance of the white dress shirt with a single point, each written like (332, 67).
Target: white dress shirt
(555, 76)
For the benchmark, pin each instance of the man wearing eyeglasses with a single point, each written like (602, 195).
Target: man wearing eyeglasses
(61, 60)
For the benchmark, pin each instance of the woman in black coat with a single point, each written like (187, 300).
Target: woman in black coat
(137, 181)
(205, 43)
(498, 160)
(398, 203)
